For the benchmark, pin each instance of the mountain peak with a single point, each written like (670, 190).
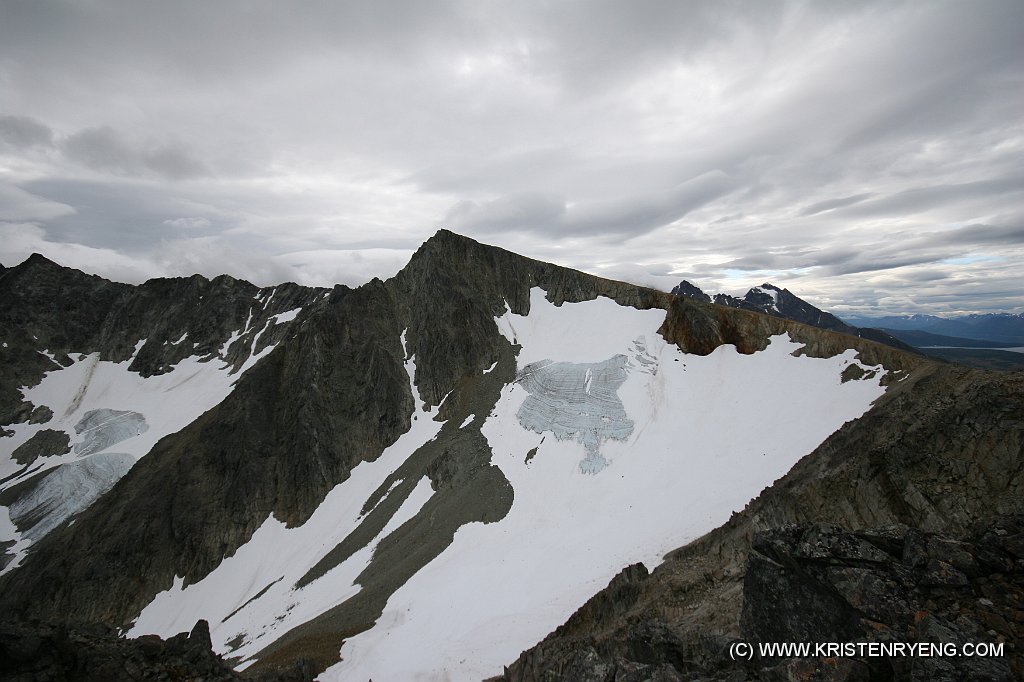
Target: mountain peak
(690, 290)
(39, 260)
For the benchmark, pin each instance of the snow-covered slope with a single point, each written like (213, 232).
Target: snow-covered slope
(112, 417)
(618, 448)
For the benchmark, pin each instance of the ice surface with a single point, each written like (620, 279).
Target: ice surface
(576, 401)
(100, 429)
(64, 491)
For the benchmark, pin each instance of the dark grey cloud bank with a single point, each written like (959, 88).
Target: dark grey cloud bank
(865, 154)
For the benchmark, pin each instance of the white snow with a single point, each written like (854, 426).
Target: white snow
(491, 368)
(280, 556)
(467, 421)
(771, 292)
(180, 339)
(168, 401)
(710, 433)
(286, 316)
(115, 410)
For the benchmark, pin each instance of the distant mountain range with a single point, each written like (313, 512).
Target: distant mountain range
(771, 300)
(972, 340)
(1001, 327)
(920, 339)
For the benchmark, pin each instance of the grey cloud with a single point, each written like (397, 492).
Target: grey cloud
(20, 132)
(984, 235)
(191, 223)
(628, 216)
(18, 205)
(127, 216)
(532, 212)
(829, 204)
(836, 143)
(640, 214)
(927, 198)
(103, 149)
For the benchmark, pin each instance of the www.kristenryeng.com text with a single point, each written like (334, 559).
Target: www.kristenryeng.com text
(748, 650)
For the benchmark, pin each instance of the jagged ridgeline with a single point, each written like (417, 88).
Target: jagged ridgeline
(421, 476)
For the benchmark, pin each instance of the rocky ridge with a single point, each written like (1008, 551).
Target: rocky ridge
(771, 300)
(38, 652)
(334, 392)
(47, 307)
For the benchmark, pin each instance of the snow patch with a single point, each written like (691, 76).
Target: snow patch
(286, 316)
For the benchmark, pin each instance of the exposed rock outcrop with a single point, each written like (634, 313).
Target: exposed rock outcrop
(34, 652)
(771, 300)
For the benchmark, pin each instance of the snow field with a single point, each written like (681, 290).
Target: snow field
(710, 433)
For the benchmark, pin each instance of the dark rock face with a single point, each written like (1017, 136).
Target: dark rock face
(268, 448)
(820, 584)
(689, 290)
(44, 306)
(45, 443)
(908, 594)
(34, 652)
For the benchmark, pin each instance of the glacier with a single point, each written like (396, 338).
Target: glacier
(652, 447)
(103, 428)
(709, 433)
(66, 490)
(576, 401)
(102, 405)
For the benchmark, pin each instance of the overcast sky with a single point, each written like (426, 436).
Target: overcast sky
(867, 156)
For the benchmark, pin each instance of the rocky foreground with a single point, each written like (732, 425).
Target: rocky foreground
(37, 652)
(817, 583)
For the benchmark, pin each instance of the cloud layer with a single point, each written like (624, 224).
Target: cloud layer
(866, 155)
